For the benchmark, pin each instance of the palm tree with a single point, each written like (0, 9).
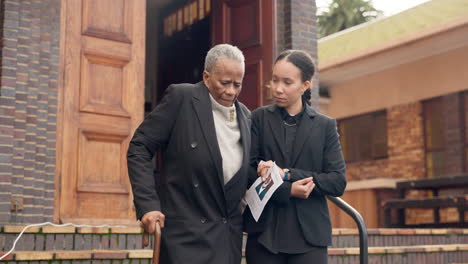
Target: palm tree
(342, 14)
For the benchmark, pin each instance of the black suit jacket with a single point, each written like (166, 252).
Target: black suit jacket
(316, 153)
(203, 217)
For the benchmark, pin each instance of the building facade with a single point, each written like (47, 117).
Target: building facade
(398, 88)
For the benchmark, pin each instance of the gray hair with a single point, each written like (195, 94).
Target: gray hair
(223, 50)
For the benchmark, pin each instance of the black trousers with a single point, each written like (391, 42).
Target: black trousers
(256, 253)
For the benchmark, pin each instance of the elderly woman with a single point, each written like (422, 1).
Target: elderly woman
(203, 134)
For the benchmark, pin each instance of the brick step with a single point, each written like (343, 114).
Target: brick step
(70, 238)
(49, 238)
(420, 254)
(96, 256)
(400, 237)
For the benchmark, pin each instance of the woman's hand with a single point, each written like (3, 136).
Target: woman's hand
(263, 168)
(148, 221)
(302, 188)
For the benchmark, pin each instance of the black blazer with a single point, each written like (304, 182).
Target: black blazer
(316, 153)
(203, 217)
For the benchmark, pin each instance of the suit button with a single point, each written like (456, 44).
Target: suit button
(194, 145)
(195, 185)
(203, 220)
(224, 220)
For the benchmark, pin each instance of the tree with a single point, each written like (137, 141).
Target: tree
(343, 14)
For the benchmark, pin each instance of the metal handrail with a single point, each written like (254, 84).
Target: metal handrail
(363, 254)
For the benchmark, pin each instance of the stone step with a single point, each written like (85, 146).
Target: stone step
(50, 238)
(420, 254)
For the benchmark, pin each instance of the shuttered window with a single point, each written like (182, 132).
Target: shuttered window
(434, 136)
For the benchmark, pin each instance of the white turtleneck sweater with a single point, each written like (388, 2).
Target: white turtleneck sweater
(229, 138)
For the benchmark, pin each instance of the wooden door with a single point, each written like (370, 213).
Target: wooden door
(249, 25)
(101, 100)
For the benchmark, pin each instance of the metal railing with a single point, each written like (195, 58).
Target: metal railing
(363, 254)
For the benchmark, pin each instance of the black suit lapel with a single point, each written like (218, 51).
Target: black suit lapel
(202, 105)
(275, 121)
(303, 133)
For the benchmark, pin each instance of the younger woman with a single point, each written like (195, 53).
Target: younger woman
(295, 226)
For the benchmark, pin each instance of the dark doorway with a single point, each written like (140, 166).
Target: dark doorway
(178, 56)
(182, 55)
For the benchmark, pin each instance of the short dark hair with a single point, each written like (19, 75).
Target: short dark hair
(303, 61)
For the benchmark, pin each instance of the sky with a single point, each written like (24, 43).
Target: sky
(389, 7)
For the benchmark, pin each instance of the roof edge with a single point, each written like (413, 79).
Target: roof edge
(393, 44)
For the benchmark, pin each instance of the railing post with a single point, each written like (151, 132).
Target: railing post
(363, 245)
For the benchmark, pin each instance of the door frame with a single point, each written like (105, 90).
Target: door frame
(60, 117)
(220, 34)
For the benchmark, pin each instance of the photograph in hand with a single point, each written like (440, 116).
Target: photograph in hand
(260, 192)
(263, 187)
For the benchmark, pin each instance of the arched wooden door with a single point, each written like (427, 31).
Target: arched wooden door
(249, 25)
(101, 103)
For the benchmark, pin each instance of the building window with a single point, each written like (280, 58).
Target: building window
(434, 135)
(446, 134)
(364, 137)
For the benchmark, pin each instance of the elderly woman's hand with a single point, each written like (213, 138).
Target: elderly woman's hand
(263, 168)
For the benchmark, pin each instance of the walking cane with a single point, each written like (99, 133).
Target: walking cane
(156, 244)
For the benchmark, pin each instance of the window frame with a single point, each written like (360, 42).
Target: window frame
(373, 156)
